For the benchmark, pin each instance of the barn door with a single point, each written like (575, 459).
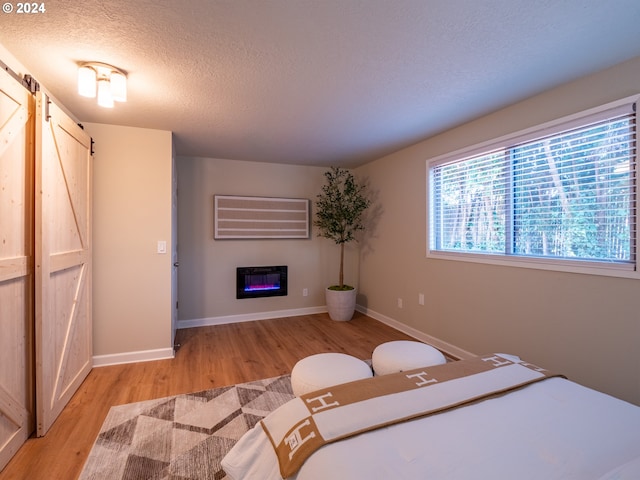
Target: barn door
(16, 264)
(63, 260)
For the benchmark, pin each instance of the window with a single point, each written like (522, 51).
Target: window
(563, 194)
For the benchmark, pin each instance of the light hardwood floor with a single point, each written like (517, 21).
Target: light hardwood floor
(209, 357)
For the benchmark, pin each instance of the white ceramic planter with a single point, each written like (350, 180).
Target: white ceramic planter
(341, 304)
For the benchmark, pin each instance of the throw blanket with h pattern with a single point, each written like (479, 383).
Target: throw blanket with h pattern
(306, 423)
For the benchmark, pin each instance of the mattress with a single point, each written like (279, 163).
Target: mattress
(552, 429)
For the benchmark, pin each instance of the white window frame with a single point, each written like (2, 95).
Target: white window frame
(630, 270)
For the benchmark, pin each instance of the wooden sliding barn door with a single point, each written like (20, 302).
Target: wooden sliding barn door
(63, 260)
(16, 266)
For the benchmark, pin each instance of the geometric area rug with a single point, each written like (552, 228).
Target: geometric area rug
(183, 437)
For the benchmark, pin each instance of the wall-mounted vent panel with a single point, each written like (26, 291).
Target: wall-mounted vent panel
(260, 217)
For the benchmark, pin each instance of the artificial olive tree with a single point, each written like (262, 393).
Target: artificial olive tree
(339, 209)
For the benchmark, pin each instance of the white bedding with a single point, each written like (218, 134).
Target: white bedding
(554, 429)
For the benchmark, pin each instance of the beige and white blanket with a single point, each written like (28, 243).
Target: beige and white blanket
(305, 424)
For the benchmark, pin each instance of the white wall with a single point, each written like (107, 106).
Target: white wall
(132, 211)
(587, 327)
(206, 276)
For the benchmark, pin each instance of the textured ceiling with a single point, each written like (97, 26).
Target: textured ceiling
(316, 81)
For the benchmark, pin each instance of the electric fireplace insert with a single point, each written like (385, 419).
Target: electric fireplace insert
(256, 282)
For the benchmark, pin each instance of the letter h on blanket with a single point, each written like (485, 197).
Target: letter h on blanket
(423, 381)
(295, 440)
(323, 404)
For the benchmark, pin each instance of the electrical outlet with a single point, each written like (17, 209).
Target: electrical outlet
(399, 303)
(305, 292)
(421, 299)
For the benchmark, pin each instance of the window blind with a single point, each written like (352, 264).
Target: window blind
(566, 191)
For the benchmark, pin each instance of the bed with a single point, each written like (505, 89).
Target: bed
(511, 420)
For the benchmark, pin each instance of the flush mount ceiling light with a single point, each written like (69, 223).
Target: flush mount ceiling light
(109, 83)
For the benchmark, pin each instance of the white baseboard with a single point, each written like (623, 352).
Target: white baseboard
(133, 357)
(168, 353)
(441, 345)
(249, 317)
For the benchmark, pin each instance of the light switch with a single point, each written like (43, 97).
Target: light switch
(162, 246)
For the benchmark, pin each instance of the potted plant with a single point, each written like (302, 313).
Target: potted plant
(339, 209)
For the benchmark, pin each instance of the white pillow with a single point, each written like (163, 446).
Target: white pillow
(325, 370)
(403, 355)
